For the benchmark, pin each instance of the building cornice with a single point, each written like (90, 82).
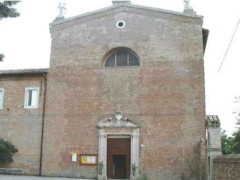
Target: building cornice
(128, 6)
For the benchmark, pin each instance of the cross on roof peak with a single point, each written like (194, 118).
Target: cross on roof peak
(62, 10)
(188, 8)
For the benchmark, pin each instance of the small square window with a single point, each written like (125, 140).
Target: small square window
(31, 98)
(1, 97)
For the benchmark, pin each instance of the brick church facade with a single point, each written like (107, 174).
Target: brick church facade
(125, 86)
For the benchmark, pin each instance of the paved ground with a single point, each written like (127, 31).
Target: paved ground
(3, 177)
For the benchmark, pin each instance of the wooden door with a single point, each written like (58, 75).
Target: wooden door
(118, 158)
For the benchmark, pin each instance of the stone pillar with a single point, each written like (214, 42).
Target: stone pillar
(214, 143)
(135, 155)
(102, 154)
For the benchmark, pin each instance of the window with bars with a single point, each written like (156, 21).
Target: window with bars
(31, 98)
(122, 58)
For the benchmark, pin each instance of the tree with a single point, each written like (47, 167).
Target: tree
(1, 57)
(237, 112)
(236, 145)
(7, 10)
(227, 143)
(238, 122)
(6, 151)
(230, 145)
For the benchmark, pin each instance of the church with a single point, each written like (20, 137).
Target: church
(123, 98)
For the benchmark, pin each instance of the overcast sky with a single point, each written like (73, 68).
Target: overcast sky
(26, 43)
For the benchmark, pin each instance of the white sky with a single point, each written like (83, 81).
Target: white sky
(26, 43)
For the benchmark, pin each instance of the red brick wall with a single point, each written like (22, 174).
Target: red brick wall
(22, 126)
(227, 167)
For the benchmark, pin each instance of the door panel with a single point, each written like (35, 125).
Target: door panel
(118, 158)
(119, 166)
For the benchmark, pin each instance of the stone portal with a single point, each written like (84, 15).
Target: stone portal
(118, 148)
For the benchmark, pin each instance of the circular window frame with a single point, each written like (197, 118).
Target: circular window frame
(120, 21)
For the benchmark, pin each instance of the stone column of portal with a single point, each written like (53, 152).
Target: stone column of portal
(135, 155)
(102, 154)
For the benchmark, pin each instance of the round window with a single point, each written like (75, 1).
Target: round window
(120, 24)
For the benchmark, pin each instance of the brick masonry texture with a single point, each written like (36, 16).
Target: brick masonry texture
(165, 94)
(227, 167)
(22, 126)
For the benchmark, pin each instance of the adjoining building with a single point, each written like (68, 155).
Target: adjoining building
(124, 91)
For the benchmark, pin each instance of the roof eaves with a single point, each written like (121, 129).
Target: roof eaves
(165, 11)
(24, 71)
(82, 15)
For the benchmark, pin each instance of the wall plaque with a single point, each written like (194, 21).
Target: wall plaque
(74, 157)
(88, 159)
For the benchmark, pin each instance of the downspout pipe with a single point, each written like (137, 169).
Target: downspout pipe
(43, 121)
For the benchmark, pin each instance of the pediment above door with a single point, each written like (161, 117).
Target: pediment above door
(117, 121)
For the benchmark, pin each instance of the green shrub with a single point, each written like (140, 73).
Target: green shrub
(6, 151)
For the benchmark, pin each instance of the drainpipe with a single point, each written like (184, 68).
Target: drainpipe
(43, 118)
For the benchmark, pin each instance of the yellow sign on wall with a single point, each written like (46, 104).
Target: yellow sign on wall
(88, 159)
